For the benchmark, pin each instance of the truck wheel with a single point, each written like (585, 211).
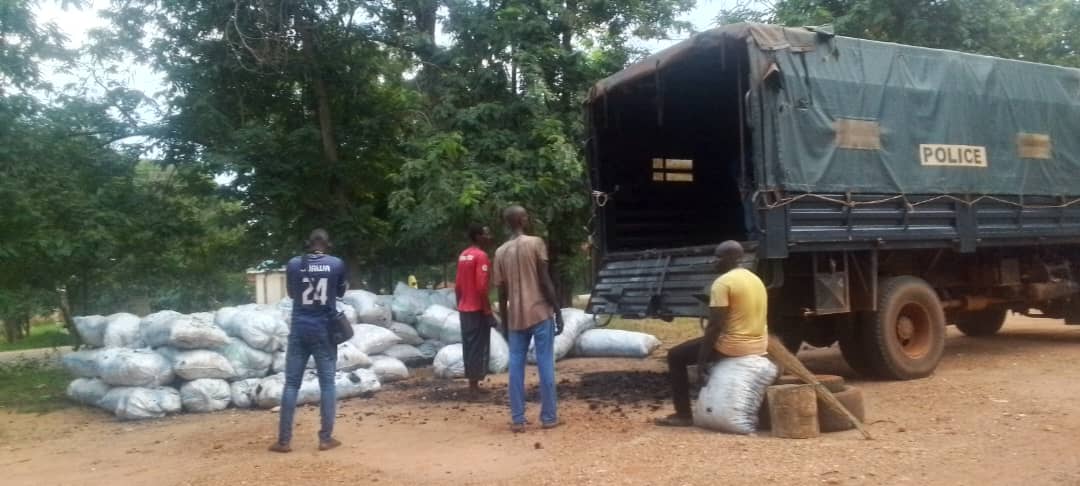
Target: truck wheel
(905, 338)
(852, 346)
(986, 322)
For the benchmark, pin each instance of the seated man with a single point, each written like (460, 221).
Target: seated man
(737, 327)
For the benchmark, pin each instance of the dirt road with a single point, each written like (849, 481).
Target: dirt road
(1000, 410)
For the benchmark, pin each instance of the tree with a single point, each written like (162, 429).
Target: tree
(1034, 30)
(295, 99)
(85, 222)
(350, 115)
(746, 11)
(505, 120)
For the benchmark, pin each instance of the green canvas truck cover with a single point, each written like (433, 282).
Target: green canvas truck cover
(835, 115)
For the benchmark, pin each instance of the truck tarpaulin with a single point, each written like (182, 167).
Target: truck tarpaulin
(847, 115)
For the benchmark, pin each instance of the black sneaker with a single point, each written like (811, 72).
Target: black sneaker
(674, 420)
(329, 444)
(279, 447)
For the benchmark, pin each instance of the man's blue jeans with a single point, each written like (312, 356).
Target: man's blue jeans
(302, 344)
(544, 335)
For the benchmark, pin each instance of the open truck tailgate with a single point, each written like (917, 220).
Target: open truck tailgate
(657, 283)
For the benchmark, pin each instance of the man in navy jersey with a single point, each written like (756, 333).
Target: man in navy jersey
(314, 281)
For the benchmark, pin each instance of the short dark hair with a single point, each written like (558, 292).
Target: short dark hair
(729, 250)
(512, 215)
(318, 237)
(474, 231)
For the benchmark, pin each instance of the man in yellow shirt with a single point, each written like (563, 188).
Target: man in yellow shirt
(738, 304)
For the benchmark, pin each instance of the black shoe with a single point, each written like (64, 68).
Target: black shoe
(674, 420)
(329, 444)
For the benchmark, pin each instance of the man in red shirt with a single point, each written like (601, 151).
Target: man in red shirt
(471, 287)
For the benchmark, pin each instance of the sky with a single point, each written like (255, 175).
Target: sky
(76, 23)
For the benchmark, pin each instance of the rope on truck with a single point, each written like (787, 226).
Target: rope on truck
(851, 204)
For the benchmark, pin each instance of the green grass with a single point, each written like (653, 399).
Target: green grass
(41, 336)
(31, 386)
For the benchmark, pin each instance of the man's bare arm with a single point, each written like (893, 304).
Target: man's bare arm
(547, 287)
(718, 317)
(503, 314)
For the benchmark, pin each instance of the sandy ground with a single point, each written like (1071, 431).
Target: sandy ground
(1000, 410)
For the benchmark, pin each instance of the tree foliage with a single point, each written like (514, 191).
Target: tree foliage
(294, 99)
(86, 218)
(1034, 30)
(504, 119)
(351, 115)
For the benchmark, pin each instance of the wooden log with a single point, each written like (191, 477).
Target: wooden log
(834, 383)
(784, 358)
(793, 411)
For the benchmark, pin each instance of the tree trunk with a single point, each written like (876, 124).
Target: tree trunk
(16, 327)
(356, 277)
(322, 97)
(425, 17)
(569, 22)
(513, 72)
(69, 322)
(10, 334)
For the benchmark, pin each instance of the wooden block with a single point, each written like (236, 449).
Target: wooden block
(830, 420)
(833, 383)
(793, 411)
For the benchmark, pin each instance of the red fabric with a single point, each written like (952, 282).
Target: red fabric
(471, 285)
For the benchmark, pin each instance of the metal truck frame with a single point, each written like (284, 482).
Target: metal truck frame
(882, 191)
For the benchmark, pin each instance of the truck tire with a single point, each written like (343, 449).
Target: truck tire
(986, 322)
(905, 338)
(852, 346)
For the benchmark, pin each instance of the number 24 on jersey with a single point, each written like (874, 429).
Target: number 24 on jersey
(314, 291)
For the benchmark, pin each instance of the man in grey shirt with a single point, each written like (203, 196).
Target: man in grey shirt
(530, 311)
